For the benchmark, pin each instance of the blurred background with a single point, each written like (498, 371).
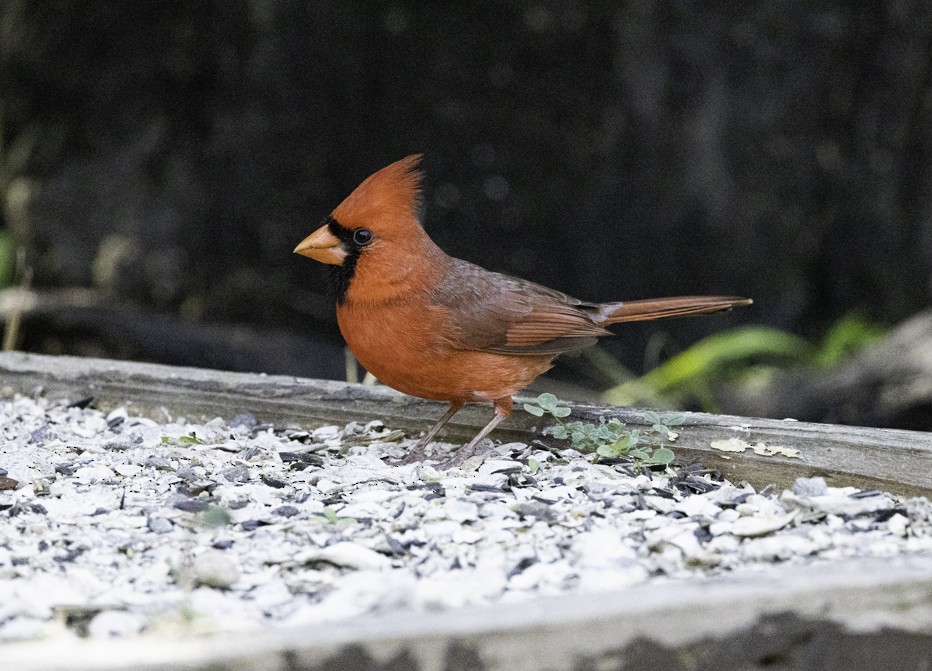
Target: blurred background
(160, 160)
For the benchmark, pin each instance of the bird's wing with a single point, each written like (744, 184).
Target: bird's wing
(498, 313)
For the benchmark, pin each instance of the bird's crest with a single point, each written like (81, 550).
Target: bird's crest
(387, 198)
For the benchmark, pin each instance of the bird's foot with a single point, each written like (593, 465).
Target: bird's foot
(480, 450)
(417, 454)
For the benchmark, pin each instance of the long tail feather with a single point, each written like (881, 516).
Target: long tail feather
(661, 308)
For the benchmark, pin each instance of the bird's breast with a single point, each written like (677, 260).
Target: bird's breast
(411, 348)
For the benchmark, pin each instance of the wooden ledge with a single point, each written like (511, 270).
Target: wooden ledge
(890, 460)
(876, 610)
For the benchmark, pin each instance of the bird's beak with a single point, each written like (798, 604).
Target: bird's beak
(323, 246)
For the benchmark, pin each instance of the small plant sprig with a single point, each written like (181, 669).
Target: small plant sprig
(331, 516)
(610, 438)
(190, 439)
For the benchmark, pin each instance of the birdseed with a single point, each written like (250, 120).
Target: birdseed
(113, 525)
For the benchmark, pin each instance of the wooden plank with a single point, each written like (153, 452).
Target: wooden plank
(876, 610)
(890, 460)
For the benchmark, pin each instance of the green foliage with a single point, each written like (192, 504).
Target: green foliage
(847, 336)
(547, 404)
(748, 354)
(7, 260)
(190, 439)
(610, 438)
(692, 370)
(215, 517)
(331, 516)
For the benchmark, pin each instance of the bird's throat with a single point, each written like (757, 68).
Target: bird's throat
(341, 276)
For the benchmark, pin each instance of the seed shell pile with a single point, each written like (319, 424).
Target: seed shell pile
(115, 525)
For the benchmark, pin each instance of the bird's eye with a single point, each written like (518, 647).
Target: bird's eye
(362, 236)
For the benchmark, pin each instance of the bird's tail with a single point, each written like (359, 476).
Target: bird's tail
(661, 308)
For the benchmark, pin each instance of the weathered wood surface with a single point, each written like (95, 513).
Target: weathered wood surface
(890, 460)
(855, 614)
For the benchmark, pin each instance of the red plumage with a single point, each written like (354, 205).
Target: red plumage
(441, 328)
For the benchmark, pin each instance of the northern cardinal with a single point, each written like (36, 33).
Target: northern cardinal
(437, 327)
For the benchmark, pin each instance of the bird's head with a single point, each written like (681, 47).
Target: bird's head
(376, 232)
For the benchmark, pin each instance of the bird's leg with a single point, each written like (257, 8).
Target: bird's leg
(502, 410)
(417, 452)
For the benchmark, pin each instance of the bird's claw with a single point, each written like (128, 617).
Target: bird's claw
(480, 451)
(418, 453)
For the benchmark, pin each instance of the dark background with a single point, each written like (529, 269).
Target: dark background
(166, 157)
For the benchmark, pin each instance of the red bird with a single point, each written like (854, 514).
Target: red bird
(440, 328)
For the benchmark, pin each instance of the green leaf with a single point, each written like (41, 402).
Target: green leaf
(607, 451)
(848, 335)
(533, 465)
(710, 356)
(639, 453)
(561, 411)
(558, 432)
(215, 517)
(190, 439)
(662, 456)
(623, 444)
(331, 515)
(652, 417)
(675, 420)
(534, 410)
(547, 401)
(7, 260)
(616, 425)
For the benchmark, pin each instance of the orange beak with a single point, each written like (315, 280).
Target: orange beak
(323, 246)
